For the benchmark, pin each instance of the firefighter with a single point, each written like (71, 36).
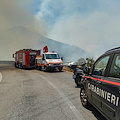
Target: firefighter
(45, 49)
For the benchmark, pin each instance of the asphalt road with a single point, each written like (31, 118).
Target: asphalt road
(39, 95)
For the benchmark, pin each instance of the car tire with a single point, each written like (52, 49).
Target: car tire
(83, 97)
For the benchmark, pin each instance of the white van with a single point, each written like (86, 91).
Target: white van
(49, 61)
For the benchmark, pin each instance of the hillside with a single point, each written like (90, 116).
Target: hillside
(20, 37)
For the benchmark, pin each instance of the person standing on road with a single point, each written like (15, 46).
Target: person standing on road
(45, 49)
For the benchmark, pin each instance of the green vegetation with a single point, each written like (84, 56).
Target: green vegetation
(90, 61)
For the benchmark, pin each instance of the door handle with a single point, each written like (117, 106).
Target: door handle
(99, 82)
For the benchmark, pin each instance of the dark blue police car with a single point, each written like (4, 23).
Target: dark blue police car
(101, 86)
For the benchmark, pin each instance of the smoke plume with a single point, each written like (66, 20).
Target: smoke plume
(18, 26)
(93, 25)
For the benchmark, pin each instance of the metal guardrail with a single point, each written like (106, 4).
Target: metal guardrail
(6, 62)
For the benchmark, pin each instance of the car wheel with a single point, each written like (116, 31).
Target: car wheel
(83, 97)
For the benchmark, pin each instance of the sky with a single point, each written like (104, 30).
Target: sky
(92, 25)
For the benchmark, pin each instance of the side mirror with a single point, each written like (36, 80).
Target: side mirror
(43, 59)
(61, 58)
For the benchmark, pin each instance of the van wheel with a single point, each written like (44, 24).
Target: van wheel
(60, 69)
(39, 67)
(45, 68)
(83, 97)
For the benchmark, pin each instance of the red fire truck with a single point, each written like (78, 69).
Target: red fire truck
(25, 58)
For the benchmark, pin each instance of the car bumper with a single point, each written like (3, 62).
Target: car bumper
(55, 67)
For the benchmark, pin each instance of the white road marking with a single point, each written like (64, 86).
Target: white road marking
(69, 103)
(0, 77)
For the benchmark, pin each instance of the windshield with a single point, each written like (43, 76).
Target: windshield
(52, 56)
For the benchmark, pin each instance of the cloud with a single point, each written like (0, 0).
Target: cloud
(92, 25)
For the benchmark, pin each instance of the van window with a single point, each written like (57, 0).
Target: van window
(115, 67)
(100, 66)
(52, 56)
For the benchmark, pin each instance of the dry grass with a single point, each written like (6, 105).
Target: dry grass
(66, 68)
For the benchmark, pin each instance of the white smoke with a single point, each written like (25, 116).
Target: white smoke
(92, 25)
(18, 27)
